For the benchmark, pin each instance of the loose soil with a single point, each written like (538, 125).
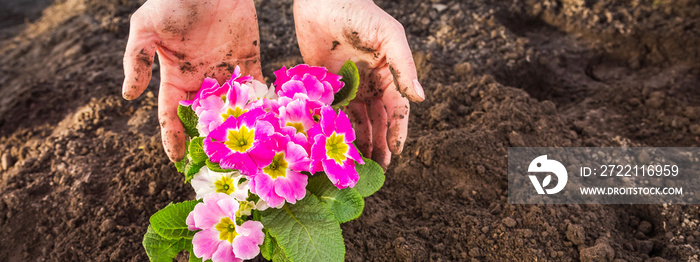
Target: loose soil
(83, 169)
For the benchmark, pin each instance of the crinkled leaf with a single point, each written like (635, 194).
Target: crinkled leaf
(268, 246)
(371, 177)
(192, 169)
(346, 204)
(216, 167)
(351, 78)
(169, 222)
(196, 152)
(189, 120)
(306, 231)
(278, 254)
(160, 249)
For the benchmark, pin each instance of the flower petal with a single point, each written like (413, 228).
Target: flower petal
(265, 188)
(190, 222)
(297, 157)
(341, 176)
(224, 253)
(292, 87)
(292, 187)
(344, 127)
(354, 154)
(327, 121)
(229, 206)
(205, 243)
(243, 248)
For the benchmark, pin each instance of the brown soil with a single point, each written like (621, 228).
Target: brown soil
(85, 168)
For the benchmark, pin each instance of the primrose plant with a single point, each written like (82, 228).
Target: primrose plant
(275, 170)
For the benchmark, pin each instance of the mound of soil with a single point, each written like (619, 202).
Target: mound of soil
(83, 169)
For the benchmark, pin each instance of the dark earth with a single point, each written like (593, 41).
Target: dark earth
(83, 169)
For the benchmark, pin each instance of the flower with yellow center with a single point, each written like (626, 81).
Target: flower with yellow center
(225, 185)
(221, 235)
(240, 140)
(298, 126)
(236, 112)
(227, 229)
(207, 182)
(332, 150)
(336, 148)
(278, 167)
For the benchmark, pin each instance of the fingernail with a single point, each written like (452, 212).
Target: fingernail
(418, 88)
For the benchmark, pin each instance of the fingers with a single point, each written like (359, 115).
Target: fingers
(402, 66)
(380, 150)
(171, 129)
(138, 57)
(397, 109)
(363, 127)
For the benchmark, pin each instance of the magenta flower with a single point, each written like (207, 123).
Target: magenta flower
(221, 238)
(280, 180)
(315, 82)
(332, 150)
(241, 142)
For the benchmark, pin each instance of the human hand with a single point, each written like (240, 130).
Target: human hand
(332, 31)
(194, 39)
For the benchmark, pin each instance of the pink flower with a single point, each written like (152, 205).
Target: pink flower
(241, 142)
(332, 150)
(221, 238)
(280, 180)
(213, 110)
(315, 82)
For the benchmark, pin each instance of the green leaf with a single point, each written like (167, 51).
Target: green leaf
(169, 222)
(196, 151)
(192, 169)
(160, 249)
(189, 120)
(371, 177)
(278, 255)
(346, 204)
(351, 78)
(270, 250)
(180, 165)
(268, 246)
(306, 231)
(216, 168)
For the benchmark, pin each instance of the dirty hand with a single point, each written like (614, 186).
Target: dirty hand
(194, 39)
(332, 31)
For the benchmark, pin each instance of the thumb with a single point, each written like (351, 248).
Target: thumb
(138, 56)
(402, 66)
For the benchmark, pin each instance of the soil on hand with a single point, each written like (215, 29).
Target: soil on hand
(82, 169)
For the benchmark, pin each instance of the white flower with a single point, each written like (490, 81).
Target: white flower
(207, 182)
(259, 90)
